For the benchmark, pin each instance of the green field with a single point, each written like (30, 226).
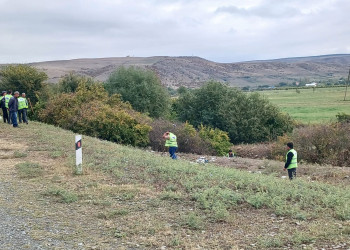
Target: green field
(311, 106)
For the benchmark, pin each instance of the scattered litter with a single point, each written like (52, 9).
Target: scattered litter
(202, 160)
(283, 177)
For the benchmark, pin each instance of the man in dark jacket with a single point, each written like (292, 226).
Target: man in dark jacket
(291, 161)
(5, 114)
(13, 108)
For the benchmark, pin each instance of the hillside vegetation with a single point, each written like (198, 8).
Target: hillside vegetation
(195, 71)
(134, 198)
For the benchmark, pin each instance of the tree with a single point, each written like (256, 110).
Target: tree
(23, 78)
(70, 82)
(141, 88)
(246, 117)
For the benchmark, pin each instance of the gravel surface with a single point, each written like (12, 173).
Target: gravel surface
(20, 225)
(16, 226)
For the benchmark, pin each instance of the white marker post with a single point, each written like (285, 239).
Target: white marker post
(78, 154)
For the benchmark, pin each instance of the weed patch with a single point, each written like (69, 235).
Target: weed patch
(56, 154)
(20, 154)
(193, 221)
(29, 170)
(63, 196)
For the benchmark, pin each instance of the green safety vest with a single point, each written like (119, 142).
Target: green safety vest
(172, 141)
(293, 163)
(22, 103)
(7, 99)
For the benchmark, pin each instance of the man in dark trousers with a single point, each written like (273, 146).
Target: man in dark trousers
(5, 114)
(13, 108)
(22, 108)
(291, 161)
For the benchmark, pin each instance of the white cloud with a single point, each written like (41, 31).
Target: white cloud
(217, 30)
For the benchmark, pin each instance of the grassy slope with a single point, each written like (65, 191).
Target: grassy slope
(134, 198)
(310, 106)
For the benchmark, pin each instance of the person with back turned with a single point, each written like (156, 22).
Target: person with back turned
(5, 114)
(171, 143)
(13, 108)
(291, 161)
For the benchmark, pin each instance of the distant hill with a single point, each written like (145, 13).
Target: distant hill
(194, 71)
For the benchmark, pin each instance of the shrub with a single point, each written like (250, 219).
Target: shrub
(217, 138)
(246, 117)
(342, 117)
(324, 144)
(70, 82)
(187, 137)
(141, 88)
(23, 78)
(207, 140)
(92, 112)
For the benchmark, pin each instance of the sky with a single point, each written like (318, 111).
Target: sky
(217, 30)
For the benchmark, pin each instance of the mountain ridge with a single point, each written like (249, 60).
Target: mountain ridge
(192, 71)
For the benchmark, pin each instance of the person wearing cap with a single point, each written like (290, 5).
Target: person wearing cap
(291, 161)
(5, 114)
(171, 143)
(22, 108)
(13, 108)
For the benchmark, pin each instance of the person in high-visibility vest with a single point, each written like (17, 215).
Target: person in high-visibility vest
(5, 113)
(171, 143)
(22, 108)
(7, 99)
(291, 161)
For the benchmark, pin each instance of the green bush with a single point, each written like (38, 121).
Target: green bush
(187, 137)
(342, 117)
(142, 89)
(23, 78)
(91, 111)
(246, 117)
(70, 82)
(206, 140)
(218, 139)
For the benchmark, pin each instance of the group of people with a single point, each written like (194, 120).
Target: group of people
(290, 165)
(13, 107)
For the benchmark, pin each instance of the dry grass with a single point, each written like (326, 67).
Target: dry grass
(123, 201)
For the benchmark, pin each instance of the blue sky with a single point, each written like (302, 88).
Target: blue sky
(221, 30)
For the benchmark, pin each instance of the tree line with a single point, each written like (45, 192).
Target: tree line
(132, 107)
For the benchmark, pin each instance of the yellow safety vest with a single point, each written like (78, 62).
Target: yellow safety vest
(7, 99)
(22, 103)
(294, 162)
(171, 142)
